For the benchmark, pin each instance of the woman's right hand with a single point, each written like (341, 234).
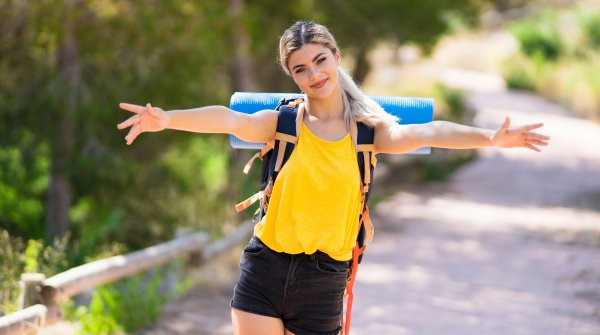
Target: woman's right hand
(146, 119)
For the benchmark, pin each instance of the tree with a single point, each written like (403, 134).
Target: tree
(67, 63)
(71, 62)
(359, 25)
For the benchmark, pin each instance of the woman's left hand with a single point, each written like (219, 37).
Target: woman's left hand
(519, 137)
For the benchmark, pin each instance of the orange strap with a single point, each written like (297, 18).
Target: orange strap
(268, 146)
(248, 202)
(349, 293)
(248, 165)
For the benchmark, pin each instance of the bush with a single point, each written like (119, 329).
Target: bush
(12, 264)
(520, 73)
(541, 39)
(590, 27)
(129, 304)
(451, 103)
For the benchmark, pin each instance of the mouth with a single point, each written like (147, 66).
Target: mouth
(319, 84)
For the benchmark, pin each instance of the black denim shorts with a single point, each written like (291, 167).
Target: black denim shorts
(305, 291)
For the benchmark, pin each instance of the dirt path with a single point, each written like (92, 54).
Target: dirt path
(510, 245)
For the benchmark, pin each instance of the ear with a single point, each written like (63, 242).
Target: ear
(337, 57)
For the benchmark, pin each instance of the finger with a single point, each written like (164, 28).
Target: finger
(151, 110)
(537, 142)
(127, 123)
(538, 136)
(506, 124)
(131, 107)
(532, 126)
(133, 133)
(527, 145)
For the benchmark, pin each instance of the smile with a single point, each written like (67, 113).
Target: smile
(319, 84)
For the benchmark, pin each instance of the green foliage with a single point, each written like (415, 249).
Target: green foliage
(97, 319)
(519, 75)
(49, 258)
(58, 110)
(453, 101)
(442, 165)
(590, 26)
(126, 52)
(11, 267)
(528, 73)
(572, 79)
(202, 164)
(539, 39)
(24, 178)
(31, 256)
(199, 175)
(130, 304)
(176, 54)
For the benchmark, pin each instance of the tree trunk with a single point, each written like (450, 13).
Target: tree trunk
(362, 66)
(242, 79)
(59, 192)
(242, 70)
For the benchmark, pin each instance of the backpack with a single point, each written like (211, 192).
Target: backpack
(276, 153)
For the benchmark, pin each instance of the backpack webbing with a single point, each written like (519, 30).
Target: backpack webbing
(276, 153)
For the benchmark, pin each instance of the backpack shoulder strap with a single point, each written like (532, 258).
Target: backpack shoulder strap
(365, 144)
(276, 153)
(363, 138)
(287, 133)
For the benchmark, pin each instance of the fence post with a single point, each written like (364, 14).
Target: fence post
(28, 285)
(192, 259)
(49, 297)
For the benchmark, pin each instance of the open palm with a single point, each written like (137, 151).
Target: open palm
(519, 137)
(146, 119)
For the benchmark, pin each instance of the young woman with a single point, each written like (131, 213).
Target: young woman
(294, 269)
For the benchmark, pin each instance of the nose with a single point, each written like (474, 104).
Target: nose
(312, 73)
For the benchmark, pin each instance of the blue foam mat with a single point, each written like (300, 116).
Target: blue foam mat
(410, 111)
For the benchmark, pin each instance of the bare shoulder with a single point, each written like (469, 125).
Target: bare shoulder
(257, 127)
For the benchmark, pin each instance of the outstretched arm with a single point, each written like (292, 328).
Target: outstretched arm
(396, 139)
(258, 127)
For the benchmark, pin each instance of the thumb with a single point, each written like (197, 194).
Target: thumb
(151, 110)
(506, 124)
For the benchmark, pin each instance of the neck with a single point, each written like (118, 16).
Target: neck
(329, 108)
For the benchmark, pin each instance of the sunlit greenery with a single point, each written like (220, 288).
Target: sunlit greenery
(559, 59)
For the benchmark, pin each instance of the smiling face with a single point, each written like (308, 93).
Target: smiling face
(314, 68)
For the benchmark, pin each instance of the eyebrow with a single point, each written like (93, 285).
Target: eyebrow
(315, 58)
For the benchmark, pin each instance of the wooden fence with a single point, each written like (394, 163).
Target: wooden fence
(40, 296)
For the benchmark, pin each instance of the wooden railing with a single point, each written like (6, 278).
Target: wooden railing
(40, 297)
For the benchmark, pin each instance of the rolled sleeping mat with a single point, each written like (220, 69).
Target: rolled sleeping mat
(408, 109)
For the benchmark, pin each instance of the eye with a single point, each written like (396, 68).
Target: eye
(321, 60)
(299, 70)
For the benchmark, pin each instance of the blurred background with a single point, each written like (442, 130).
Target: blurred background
(71, 191)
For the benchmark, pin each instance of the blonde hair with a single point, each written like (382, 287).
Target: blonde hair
(357, 105)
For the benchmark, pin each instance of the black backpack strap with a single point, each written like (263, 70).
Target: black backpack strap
(275, 153)
(366, 159)
(286, 138)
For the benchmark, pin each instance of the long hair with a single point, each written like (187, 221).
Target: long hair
(357, 106)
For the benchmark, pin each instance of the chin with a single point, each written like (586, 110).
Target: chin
(322, 93)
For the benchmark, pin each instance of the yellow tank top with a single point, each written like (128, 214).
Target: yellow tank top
(315, 202)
